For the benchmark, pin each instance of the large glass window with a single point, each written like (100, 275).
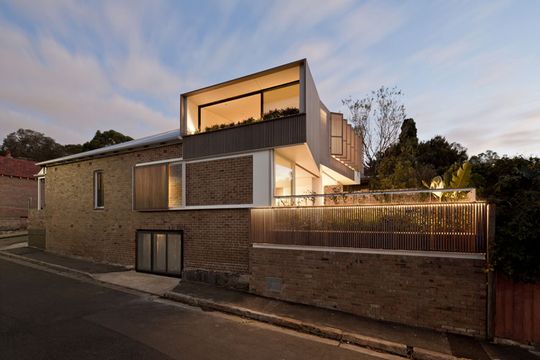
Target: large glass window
(303, 181)
(230, 112)
(281, 98)
(250, 107)
(283, 176)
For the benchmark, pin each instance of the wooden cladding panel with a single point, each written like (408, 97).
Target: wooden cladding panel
(259, 135)
(151, 190)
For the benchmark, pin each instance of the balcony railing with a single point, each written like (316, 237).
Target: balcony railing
(379, 197)
(449, 227)
(258, 135)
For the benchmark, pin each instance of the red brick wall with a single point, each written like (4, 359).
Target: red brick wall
(225, 181)
(440, 293)
(14, 196)
(216, 240)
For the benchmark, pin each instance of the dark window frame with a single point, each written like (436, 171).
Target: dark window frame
(96, 190)
(258, 92)
(166, 232)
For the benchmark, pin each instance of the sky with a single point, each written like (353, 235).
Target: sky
(470, 70)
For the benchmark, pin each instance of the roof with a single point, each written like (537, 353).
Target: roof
(245, 77)
(10, 166)
(160, 138)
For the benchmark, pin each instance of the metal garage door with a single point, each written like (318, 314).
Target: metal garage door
(159, 252)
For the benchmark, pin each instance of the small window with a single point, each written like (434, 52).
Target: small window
(41, 193)
(99, 201)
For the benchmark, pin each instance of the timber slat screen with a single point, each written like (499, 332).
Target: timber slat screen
(258, 135)
(459, 227)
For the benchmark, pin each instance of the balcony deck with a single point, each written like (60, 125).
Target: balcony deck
(287, 130)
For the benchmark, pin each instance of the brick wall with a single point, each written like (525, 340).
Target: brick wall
(14, 196)
(226, 181)
(440, 293)
(216, 240)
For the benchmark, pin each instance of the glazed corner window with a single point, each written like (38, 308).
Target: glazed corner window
(158, 186)
(99, 201)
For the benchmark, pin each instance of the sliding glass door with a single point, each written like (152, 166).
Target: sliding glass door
(159, 252)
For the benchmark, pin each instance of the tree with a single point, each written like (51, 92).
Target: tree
(33, 145)
(106, 138)
(396, 168)
(377, 119)
(513, 185)
(440, 158)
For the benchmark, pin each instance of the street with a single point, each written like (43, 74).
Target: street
(48, 316)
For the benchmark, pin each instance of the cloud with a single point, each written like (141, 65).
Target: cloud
(69, 90)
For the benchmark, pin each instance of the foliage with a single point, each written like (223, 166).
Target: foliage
(33, 145)
(278, 113)
(513, 185)
(106, 138)
(462, 177)
(272, 114)
(437, 155)
(377, 118)
(396, 168)
(410, 163)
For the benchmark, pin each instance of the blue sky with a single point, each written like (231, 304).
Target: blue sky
(470, 70)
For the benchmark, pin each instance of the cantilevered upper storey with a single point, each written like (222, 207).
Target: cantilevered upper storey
(278, 108)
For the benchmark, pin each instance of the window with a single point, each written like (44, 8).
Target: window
(158, 186)
(303, 181)
(282, 98)
(283, 176)
(99, 201)
(41, 193)
(159, 252)
(249, 106)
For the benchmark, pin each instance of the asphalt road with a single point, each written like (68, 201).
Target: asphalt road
(48, 316)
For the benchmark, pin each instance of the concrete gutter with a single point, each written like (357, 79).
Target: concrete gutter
(14, 234)
(59, 268)
(372, 343)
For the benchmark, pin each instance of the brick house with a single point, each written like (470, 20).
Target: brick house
(179, 202)
(18, 191)
(236, 197)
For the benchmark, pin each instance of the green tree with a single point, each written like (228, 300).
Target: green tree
(106, 138)
(440, 158)
(513, 185)
(33, 145)
(396, 167)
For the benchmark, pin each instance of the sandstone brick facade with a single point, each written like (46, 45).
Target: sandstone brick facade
(214, 239)
(446, 294)
(224, 181)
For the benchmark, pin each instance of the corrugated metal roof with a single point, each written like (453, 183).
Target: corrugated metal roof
(148, 140)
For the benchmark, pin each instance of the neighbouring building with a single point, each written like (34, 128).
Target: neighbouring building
(18, 191)
(236, 197)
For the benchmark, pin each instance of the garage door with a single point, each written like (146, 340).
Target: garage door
(160, 252)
